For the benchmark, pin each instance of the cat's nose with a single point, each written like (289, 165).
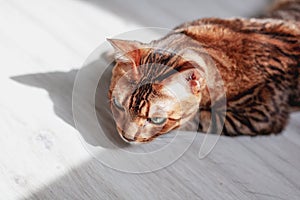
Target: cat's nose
(131, 129)
(129, 132)
(128, 139)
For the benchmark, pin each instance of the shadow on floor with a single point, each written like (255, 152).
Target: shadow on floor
(59, 86)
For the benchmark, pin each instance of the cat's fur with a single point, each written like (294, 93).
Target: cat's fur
(257, 59)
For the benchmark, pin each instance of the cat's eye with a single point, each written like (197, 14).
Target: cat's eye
(158, 120)
(117, 103)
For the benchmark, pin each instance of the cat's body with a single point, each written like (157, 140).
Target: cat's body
(258, 61)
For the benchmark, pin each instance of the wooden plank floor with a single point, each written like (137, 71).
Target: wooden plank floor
(43, 45)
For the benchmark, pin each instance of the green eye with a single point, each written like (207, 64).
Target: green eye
(158, 120)
(117, 103)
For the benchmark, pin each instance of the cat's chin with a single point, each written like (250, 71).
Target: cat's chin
(128, 141)
(135, 142)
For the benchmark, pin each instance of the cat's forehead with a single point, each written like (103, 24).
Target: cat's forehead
(160, 56)
(144, 90)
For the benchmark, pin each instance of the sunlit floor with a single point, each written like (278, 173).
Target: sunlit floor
(44, 43)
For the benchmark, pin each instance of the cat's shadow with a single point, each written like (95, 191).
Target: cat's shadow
(59, 86)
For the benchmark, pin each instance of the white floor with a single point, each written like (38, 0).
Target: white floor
(44, 43)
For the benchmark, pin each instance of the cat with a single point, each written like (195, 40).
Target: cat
(159, 86)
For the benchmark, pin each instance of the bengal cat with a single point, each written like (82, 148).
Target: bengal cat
(258, 60)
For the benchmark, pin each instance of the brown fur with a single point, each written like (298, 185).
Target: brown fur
(257, 59)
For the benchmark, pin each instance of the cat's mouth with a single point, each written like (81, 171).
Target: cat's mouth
(135, 140)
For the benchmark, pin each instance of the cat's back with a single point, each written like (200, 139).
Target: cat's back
(247, 51)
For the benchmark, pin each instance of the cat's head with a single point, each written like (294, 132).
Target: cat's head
(152, 91)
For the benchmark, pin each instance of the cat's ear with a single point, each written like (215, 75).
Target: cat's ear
(194, 80)
(126, 50)
(190, 80)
